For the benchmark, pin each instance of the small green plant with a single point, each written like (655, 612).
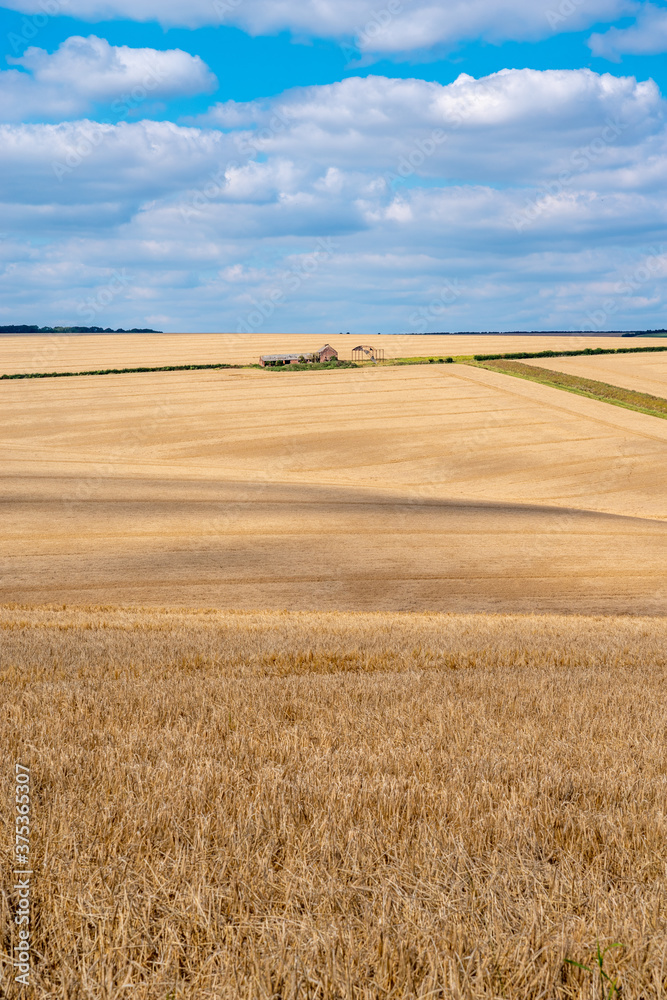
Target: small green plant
(449, 361)
(605, 980)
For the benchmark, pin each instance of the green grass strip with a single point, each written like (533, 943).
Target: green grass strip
(655, 406)
(310, 366)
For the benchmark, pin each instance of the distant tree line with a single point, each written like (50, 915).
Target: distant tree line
(532, 333)
(70, 329)
(568, 354)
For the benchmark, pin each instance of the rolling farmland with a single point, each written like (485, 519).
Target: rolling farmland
(640, 372)
(335, 685)
(63, 352)
(448, 488)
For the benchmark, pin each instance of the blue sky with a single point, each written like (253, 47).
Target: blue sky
(279, 165)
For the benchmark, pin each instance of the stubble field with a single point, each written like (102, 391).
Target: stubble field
(418, 488)
(63, 352)
(338, 806)
(378, 794)
(639, 372)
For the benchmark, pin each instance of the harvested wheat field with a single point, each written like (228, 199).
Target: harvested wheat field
(416, 488)
(379, 794)
(338, 806)
(639, 372)
(80, 352)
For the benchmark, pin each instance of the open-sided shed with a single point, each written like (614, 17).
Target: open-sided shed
(367, 352)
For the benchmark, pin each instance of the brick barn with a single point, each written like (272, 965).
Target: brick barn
(326, 353)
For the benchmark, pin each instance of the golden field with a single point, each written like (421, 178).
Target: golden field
(440, 774)
(410, 488)
(638, 372)
(641, 402)
(80, 352)
(338, 806)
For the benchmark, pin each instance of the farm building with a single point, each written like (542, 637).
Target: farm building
(366, 352)
(326, 353)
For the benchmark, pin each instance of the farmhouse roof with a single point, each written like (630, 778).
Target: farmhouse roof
(295, 357)
(283, 357)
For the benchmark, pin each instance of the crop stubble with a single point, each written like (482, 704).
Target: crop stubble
(339, 806)
(637, 372)
(63, 352)
(438, 487)
(328, 805)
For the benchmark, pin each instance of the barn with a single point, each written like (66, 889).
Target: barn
(326, 353)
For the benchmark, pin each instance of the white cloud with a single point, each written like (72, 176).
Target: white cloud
(527, 169)
(387, 26)
(647, 36)
(512, 126)
(85, 72)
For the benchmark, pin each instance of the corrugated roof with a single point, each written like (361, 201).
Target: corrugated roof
(284, 357)
(295, 357)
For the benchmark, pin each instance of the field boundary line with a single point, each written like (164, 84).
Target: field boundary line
(121, 371)
(605, 392)
(390, 362)
(583, 352)
(609, 417)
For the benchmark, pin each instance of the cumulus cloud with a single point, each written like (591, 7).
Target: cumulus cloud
(84, 72)
(376, 26)
(508, 127)
(492, 185)
(647, 36)
(77, 167)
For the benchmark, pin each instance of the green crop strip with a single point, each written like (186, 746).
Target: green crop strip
(655, 406)
(311, 366)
